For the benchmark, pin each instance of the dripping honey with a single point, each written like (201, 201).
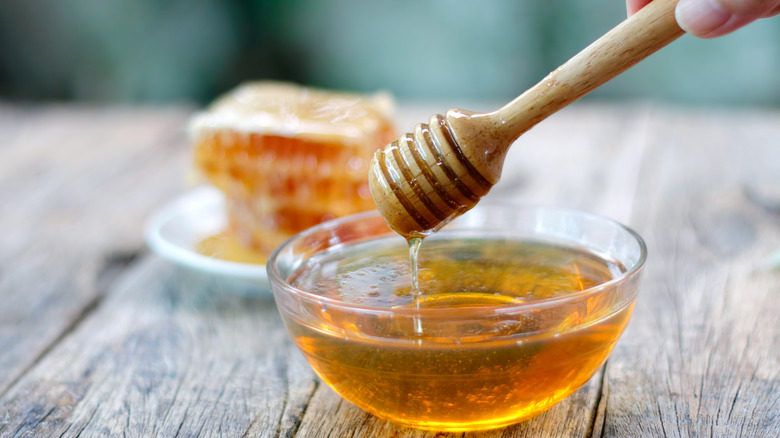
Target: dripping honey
(459, 372)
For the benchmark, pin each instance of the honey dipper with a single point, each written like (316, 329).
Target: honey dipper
(428, 177)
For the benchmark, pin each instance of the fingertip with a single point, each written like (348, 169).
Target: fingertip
(632, 6)
(701, 18)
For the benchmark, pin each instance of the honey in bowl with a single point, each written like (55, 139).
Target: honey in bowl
(507, 323)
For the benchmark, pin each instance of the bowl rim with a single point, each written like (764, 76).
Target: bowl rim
(277, 281)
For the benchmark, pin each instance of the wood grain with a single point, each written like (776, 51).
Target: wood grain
(100, 338)
(701, 357)
(72, 209)
(164, 356)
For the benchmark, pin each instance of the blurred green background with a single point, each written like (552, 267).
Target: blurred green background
(192, 50)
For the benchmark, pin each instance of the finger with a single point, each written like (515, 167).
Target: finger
(634, 5)
(749, 9)
(713, 18)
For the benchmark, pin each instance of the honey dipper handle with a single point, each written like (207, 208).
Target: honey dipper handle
(486, 137)
(640, 35)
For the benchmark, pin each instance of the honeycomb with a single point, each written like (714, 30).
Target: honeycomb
(288, 157)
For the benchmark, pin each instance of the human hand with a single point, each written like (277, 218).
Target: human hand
(713, 18)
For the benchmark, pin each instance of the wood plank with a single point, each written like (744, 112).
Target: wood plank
(586, 157)
(156, 358)
(701, 356)
(130, 344)
(76, 184)
(166, 354)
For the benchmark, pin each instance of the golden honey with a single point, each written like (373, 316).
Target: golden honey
(479, 348)
(224, 246)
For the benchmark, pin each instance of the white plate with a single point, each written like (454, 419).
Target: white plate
(174, 230)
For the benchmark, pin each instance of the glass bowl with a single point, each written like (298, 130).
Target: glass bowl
(518, 307)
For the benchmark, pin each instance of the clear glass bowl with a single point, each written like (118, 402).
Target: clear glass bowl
(478, 359)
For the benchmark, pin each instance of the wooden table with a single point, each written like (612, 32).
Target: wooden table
(98, 337)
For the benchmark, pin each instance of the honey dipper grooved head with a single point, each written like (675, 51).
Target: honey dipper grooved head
(425, 179)
(442, 169)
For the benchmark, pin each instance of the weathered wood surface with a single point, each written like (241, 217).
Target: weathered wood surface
(100, 338)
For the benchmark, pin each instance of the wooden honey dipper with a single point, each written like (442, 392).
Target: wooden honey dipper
(442, 169)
